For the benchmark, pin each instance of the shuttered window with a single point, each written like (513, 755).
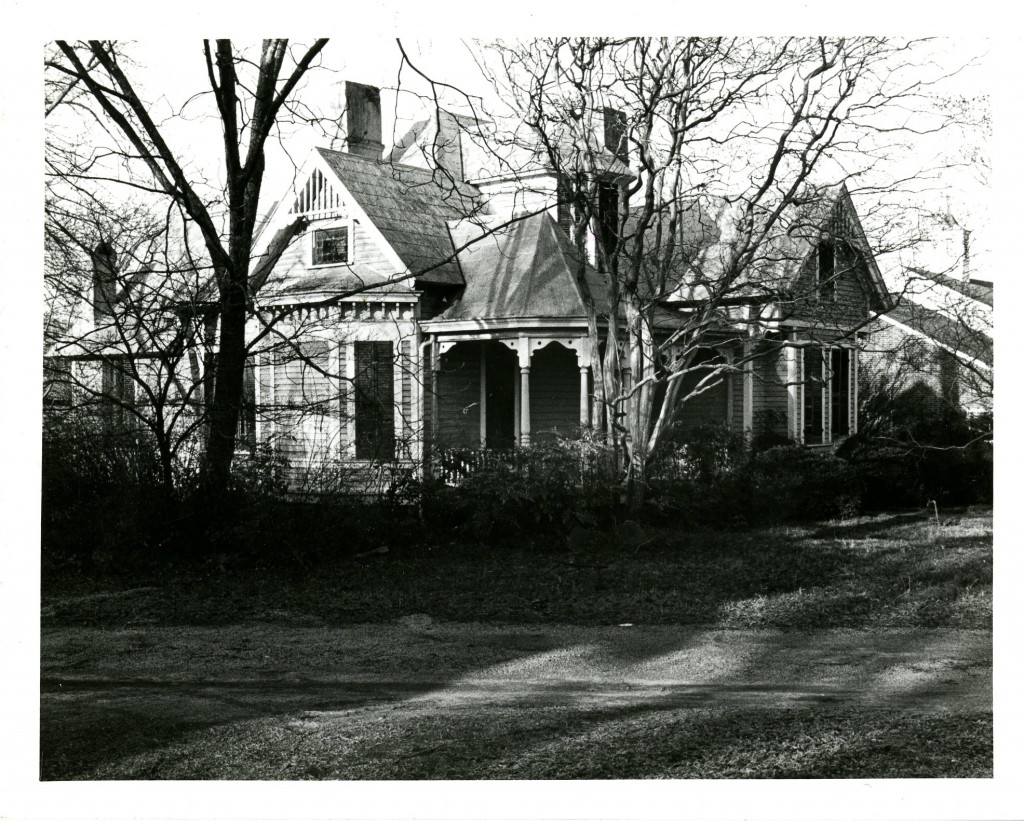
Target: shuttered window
(57, 382)
(827, 272)
(247, 414)
(813, 387)
(118, 391)
(828, 386)
(375, 400)
(615, 134)
(840, 390)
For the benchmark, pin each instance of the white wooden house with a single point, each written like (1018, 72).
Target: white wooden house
(430, 303)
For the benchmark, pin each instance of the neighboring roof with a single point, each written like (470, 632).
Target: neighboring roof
(979, 289)
(411, 207)
(958, 337)
(522, 270)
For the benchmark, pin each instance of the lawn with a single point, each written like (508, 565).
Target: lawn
(889, 570)
(855, 649)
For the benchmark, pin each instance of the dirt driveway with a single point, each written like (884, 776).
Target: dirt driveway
(418, 698)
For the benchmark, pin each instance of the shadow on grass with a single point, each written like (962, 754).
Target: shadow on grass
(500, 710)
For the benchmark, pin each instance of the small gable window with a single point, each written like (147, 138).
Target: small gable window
(827, 271)
(330, 246)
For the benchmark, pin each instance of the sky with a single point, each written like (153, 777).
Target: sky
(169, 71)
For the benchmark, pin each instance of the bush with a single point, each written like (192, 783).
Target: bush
(542, 490)
(712, 478)
(103, 503)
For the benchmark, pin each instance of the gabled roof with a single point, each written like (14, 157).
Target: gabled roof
(411, 207)
(977, 289)
(706, 230)
(957, 337)
(526, 269)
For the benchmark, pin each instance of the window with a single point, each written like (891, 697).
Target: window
(301, 375)
(829, 394)
(608, 216)
(118, 391)
(615, 134)
(375, 400)
(330, 246)
(826, 279)
(57, 382)
(247, 413)
(839, 385)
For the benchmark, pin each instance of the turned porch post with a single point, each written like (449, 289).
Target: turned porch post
(748, 388)
(584, 396)
(483, 396)
(524, 391)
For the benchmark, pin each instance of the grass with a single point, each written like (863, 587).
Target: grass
(401, 742)
(891, 570)
(886, 575)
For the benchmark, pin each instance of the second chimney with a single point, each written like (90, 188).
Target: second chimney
(104, 281)
(362, 121)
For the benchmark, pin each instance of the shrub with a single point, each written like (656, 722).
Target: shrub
(537, 491)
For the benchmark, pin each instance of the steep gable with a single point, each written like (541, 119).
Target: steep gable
(411, 207)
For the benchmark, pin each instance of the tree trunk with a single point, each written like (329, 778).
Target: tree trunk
(227, 393)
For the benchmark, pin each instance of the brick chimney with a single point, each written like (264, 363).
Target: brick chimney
(362, 121)
(104, 281)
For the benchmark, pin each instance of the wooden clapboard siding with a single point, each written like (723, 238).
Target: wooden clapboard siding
(709, 407)
(850, 304)
(458, 401)
(368, 261)
(554, 394)
(771, 397)
(305, 408)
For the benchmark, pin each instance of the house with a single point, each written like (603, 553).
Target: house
(434, 302)
(935, 347)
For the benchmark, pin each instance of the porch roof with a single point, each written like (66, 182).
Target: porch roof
(520, 271)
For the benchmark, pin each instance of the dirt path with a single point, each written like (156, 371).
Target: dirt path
(220, 702)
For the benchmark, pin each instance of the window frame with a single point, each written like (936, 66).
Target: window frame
(386, 421)
(825, 286)
(333, 225)
(825, 401)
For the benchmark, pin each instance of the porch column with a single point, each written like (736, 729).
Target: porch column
(584, 396)
(435, 369)
(793, 356)
(524, 406)
(748, 388)
(483, 396)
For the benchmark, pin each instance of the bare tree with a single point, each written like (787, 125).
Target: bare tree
(250, 95)
(705, 186)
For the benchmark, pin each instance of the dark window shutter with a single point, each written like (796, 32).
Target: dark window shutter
(375, 400)
(840, 384)
(814, 429)
(827, 271)
(565, 206)
(608, 211)
(615, 134)
(247, 414)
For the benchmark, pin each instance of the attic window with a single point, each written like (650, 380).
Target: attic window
(330, 246)
(826, 284)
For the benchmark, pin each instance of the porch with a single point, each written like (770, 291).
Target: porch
(498, 392)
